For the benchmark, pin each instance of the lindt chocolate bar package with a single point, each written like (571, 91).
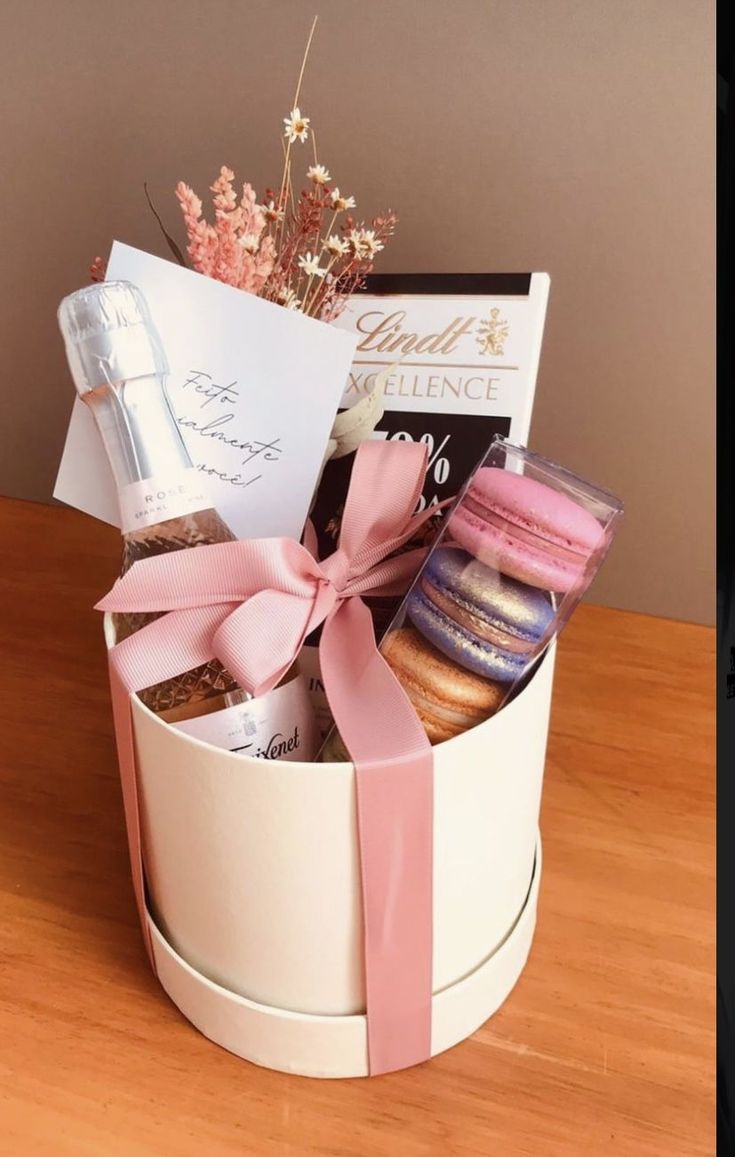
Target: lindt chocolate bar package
(462, 351)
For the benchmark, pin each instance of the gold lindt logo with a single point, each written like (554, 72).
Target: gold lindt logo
(384, 333)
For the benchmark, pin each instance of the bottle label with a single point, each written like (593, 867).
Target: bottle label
(310, 668)
(158, 499)
(279, 725)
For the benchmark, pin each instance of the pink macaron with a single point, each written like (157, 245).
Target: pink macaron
(526, 529)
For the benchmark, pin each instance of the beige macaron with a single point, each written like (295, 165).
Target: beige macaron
(447, 699)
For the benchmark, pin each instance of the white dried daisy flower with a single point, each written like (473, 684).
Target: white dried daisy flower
(339, 202)
(296, 127)
(318, 174)
(310, 265)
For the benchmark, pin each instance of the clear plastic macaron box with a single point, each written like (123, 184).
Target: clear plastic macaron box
(519, 549)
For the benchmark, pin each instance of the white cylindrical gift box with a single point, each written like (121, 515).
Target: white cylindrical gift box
(253, 876)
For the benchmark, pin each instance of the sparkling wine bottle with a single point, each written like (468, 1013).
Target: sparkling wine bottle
(119, 370)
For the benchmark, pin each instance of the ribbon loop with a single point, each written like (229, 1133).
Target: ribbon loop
(381, 501)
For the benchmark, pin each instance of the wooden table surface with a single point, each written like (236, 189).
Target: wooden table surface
(606, 1045)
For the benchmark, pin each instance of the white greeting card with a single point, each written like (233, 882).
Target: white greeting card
(255, 389)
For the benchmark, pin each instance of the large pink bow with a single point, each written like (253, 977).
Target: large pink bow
(251, 604)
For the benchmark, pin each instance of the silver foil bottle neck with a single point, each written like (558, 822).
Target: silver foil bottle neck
(110, 336)
(119, 369)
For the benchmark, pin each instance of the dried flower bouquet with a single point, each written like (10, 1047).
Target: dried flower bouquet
(305, 252)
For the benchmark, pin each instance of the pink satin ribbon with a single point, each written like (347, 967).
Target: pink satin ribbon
(251, 604)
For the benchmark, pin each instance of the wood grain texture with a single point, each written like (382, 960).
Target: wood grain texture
(606, 1046)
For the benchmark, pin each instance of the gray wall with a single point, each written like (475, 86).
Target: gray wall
(574, 136)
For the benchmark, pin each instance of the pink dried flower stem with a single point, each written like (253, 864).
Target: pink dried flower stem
(300, 229)
(98, 269)
(329, 230)
(234, 249)
(284, 194)
(330, 300)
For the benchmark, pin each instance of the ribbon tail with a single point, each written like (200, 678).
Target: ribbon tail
(123, 717)
(394, 775)
(178, 642)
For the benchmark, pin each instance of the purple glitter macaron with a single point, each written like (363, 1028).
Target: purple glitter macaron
(488, 623)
